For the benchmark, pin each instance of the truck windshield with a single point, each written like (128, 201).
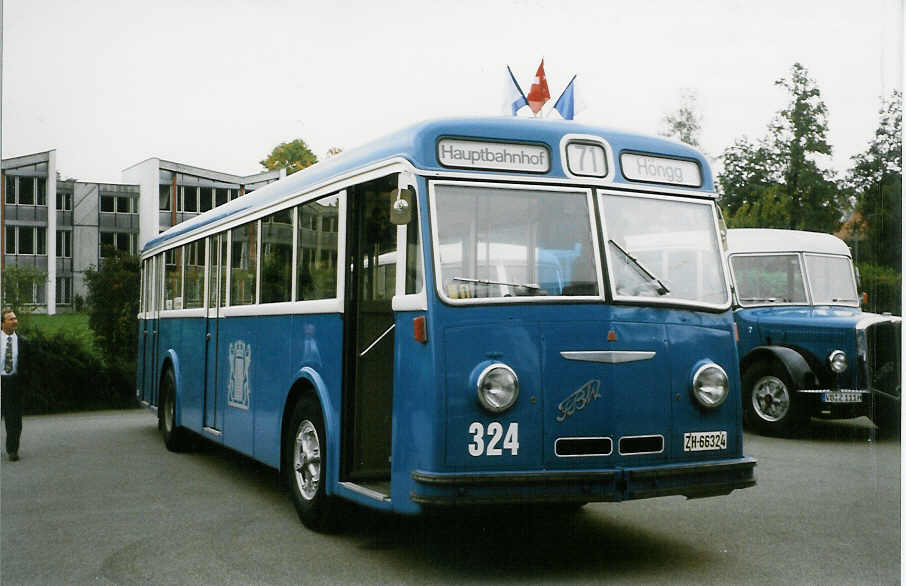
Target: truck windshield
(663, 249)
(831, 280)
(500, 242)
(768, 278)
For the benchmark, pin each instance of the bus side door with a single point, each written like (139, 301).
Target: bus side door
(213, 407)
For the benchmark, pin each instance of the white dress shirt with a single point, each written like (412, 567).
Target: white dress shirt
(3, 337)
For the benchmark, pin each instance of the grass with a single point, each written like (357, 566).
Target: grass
(73, 325)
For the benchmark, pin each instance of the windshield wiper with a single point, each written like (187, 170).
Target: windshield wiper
(661, 288)
(530, 287)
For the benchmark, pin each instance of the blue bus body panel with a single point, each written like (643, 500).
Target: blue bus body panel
(649, 397)
(258, 361)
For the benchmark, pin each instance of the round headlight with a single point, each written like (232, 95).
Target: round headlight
(498, 387)
(710, 385)
(837, 361)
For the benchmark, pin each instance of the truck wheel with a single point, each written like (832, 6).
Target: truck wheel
(305, 449)
(770, 404)
(175, 438)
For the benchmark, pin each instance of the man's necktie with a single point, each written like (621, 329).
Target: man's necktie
(8, 363)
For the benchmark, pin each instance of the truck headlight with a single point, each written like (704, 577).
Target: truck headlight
(710, 385)
(837, 361)
(498, 387)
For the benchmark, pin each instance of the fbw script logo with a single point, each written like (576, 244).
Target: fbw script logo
(240, 361)
(579, 400)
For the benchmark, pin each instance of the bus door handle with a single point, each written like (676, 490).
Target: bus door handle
(207, 337)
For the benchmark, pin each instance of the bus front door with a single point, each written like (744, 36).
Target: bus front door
(213, 408)
(369, 346)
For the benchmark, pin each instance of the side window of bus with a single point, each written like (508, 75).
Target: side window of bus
(173, 279)
(194, 274)
(277, 257)
(318, 236)
(243, 264)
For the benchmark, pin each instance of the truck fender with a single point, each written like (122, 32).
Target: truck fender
(795, 365)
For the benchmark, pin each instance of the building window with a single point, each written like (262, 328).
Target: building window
(40, 192)
(26, 191)
(221, 196)
(166, 194)
(11, 189)
(108, 203)
(64, 290)
(189, 198)
(206, 195)
(11, 239)
(117, 241)
(40, 240)
(64, 201)
(31, 240)
(64, 244)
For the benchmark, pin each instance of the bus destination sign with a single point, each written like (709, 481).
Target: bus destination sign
(637, 167)
(499, 156)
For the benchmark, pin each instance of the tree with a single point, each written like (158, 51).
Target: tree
(686, 124)
(113, 292)
(19, 285)
(787, 157)
(293, 156)
(877, 181)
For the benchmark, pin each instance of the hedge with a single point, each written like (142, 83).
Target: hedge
(884, 288)
(64, 376)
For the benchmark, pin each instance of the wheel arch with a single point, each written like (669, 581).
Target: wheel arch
(795, 364)
(309, 383)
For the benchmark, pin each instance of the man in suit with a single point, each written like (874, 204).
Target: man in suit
(13, 349)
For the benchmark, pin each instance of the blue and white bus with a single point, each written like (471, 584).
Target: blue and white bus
(470, 311)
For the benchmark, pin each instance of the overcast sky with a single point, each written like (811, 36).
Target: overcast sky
(219, 83)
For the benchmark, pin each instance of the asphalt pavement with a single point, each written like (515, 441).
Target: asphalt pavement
(97, 499)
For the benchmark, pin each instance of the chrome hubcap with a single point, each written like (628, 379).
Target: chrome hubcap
(169, 412)
(307, 460)
(771, 398)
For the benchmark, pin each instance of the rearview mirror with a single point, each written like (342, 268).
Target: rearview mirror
(401, 206)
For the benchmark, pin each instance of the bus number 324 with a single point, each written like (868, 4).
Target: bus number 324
(494, 442)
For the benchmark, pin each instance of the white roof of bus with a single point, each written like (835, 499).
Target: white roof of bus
(770, 240)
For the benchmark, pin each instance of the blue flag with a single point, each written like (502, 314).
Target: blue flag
(514, 98)
(566, 103)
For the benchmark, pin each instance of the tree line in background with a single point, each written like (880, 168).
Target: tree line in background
(778, 181)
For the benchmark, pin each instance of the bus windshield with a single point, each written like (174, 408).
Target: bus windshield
(663, 249)
(497, 242)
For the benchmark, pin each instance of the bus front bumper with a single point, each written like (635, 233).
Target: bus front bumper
(692, 480)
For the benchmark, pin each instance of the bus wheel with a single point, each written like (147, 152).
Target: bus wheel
(306, 466)
(175, 438)
(770, 401)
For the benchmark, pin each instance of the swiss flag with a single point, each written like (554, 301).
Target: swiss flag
(539, 94)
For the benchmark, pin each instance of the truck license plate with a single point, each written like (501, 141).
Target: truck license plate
(842, 397)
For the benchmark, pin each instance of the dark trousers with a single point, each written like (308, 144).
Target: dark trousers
(12, 407)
